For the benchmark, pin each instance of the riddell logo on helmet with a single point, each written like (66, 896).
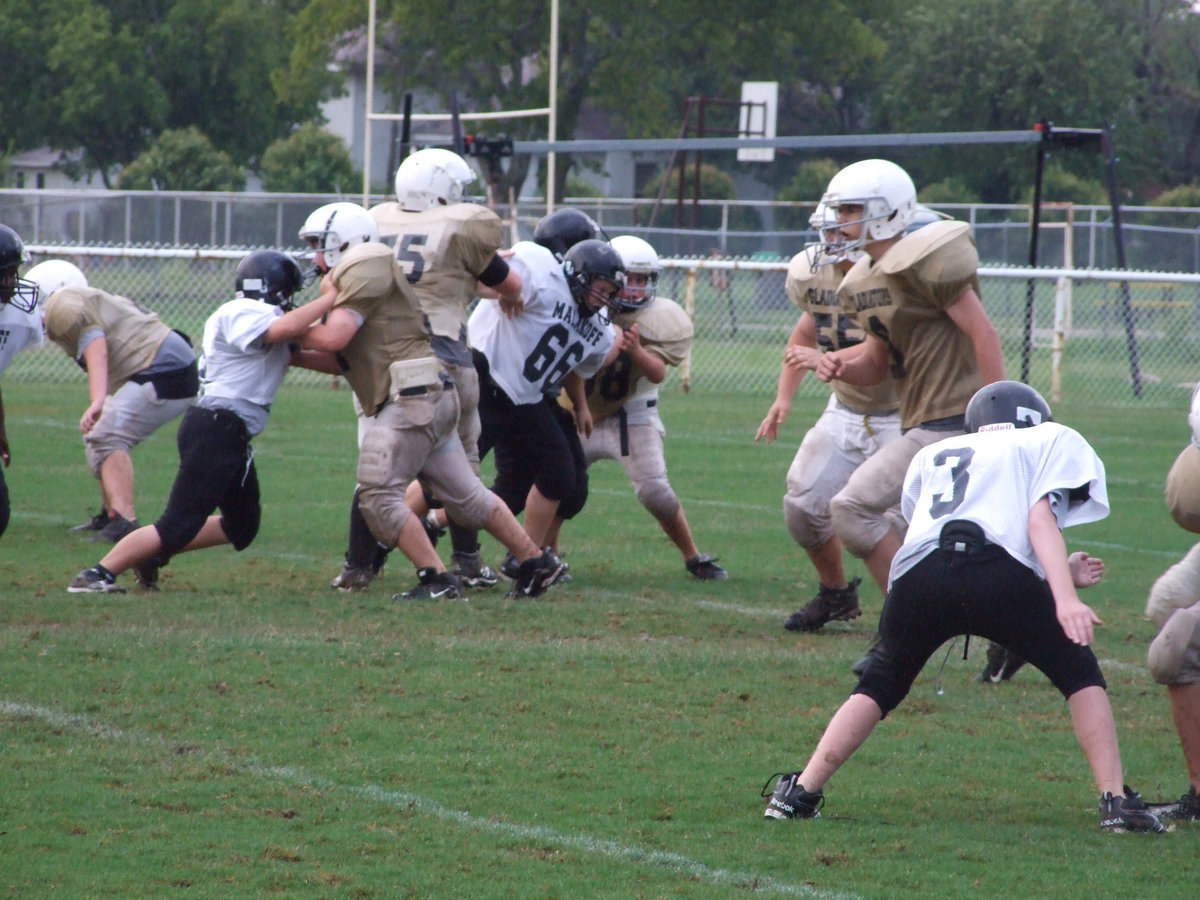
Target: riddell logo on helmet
(998, 426)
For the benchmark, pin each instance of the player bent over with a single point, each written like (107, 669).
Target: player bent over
(984, 554)
(247, 350)
(620, 420)
(376, 331)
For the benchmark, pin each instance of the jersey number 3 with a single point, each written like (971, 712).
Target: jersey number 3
(952, 465)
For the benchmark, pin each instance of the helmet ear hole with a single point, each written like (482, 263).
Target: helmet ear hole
(1004, 405)
(271, 276)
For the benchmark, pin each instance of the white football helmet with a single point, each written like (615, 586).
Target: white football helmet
(640, 259)
(53, 274)
(431, 177)
(886, 194)
(334, 228)
(833, 248)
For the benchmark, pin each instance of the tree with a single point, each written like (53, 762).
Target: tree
(102, 96)
(183, 160)
(309, 161)
(218, 61)
(628, 67)
(970, 65)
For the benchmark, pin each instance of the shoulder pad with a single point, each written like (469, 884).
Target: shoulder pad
(923, 243)
(663, 321)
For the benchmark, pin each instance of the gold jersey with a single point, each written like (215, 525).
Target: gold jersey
(132, 332)
(902, 300)
(665, 330)
(371, 283)
(442, 252)
(816, 293)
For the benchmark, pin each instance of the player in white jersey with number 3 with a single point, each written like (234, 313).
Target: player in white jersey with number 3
(984, 554)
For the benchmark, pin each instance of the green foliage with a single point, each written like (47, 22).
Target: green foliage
(714, 185)
(993, 67)
(310, 160)
(101, 92)
(183, 160)
(806, 187)
(1062, 186)
(952, 189)
(1185, 195)
(249, 732)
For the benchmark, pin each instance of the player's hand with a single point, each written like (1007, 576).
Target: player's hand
(631, 342)
(769, 427)
(584, 423)
(5, 454)
(801, 358)
(830, 367)
(1077, 620)
(1085, 570)
(90, 415)
(512, 308)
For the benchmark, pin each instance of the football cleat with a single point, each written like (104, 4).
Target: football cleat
(117, 527)
(95, 581)
(509, 568)
(146, 572)
(95, 523)
(830, 604)
(705, 567)
(1185, 809)
(537, 574)
(1129, 813)
(1002, 664)
(790, 800)
(433, 585)
(353, 579)
(471, 571)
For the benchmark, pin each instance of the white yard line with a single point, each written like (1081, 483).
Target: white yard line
(626, 853)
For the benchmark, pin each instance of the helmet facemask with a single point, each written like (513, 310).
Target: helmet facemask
(17, 292)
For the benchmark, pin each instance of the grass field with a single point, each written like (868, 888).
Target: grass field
(248, 732)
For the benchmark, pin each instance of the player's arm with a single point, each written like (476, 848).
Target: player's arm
(791, 373)
(863, 364)
(503, 282)
(576, 389)
(95, 358)
(654, 367)
(968, 314)
(295, 322)
(1076, 617)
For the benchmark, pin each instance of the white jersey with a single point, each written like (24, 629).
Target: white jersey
(994, 478)
(530, 354)
(18, 331)
(238, 371)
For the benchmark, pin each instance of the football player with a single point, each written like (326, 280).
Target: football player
(523, 362)
(247, 350)
(1174, 606)
(376, 331)
(446, 246)
(916, 297)
(620, 420)
(984, 554)
(20, 327)
(141, 375)
(856, 423)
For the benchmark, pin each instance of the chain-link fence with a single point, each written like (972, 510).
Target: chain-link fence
(1093, 336)
(1157, 239)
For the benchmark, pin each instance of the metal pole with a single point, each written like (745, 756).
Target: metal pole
(1135, 372)
(551, 162)
(1035, 216)
(370, 101)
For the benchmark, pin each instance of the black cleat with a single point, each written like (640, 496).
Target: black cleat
(830, 604)
(790, 800)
